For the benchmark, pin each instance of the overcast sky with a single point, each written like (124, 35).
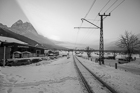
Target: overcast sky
(56, 19)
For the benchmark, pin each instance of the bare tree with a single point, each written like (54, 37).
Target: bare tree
(130, 43)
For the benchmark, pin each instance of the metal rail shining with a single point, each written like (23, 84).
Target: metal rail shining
(111, 90)
(82, 78)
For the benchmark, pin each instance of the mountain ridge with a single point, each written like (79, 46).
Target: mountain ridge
(27, 29)
(21, 28)
(28, 32)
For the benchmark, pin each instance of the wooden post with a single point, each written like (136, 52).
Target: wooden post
(4, 56)
(115, 65)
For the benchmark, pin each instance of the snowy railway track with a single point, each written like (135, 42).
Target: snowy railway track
(90, 81)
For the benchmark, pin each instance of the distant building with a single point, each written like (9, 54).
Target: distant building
(13, 50)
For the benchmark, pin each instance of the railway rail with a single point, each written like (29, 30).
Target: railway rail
(90, 81)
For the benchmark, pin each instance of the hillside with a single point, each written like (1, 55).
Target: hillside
(26, 29)
(8, 33)
(26, 32)
(112, 46)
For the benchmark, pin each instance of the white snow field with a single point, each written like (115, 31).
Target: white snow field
(59, 76)
(121, 81)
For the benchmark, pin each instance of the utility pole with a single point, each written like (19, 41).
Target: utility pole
(101, 47)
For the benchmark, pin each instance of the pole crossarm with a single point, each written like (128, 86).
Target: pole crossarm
(90, 22)
(104, 14)
(85, 28)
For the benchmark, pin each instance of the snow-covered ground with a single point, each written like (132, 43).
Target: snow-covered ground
(132, 64)
(59, 76)
(123, 82)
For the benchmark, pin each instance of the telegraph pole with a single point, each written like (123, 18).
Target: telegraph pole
(101, 47)
(101, 44)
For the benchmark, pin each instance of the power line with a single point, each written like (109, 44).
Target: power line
(87, 34)
(104, 17)
(105, 6)
(111, 6)
(108, 8)
(90, 8)
(77, 35)
(82, 21)
(117, 6)
(102, 9)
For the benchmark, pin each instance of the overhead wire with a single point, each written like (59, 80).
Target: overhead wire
(87, 15)
(90, 8)
(109, 8)
(111, 5)
(115, 8)
(77, 34)
(97, 15)
(104, 7)
(89, 11)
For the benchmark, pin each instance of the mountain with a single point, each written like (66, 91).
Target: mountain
(4, 32)
(22, 28)
(26, 32)
(3, 26)
(26, 29)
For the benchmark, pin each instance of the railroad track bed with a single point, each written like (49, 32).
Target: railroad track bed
(92, 83)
